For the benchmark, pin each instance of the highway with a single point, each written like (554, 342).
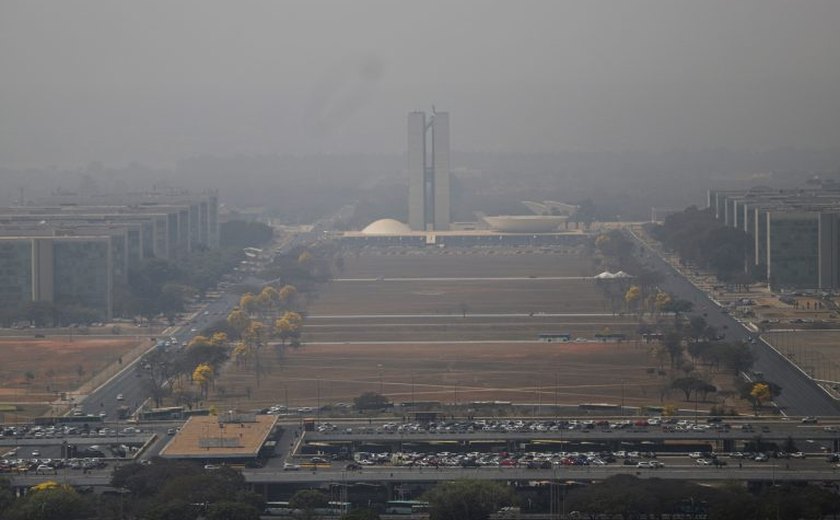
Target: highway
(130, 382)
(770, 472)
(800, 395)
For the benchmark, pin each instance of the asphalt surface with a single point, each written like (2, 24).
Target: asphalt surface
(800, 395)
(130, 382)
(771, 472)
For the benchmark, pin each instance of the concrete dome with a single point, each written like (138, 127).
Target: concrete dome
(525, 223)
(386, 226)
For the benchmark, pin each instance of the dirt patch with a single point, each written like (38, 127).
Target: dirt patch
(450, 373)
(38, 370)
(456, 327)
(814, 351)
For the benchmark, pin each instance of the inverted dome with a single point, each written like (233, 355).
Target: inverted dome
(526, 223)
(386, 226)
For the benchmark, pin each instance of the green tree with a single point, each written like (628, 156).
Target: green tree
(673, 345)
(175, 509)
(309, 499)
(687, 385)
(371, 401)
(6, 495)
(468, 499)
(226, 510)
(51, 503)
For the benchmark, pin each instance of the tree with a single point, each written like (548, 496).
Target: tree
(253, 339)
(632, 296)
(468, 499)
(661, 300)
(760, 394)
(268, 297)
(309, 499)
(673, 345)
(219, 339)
(203, 375)
(176, 509)
(698, 328)
(248, 303)
(288, 294)
(371, 401)
(238, 320)
(687, 385)
(289, 326)
(6, 495)
(678, 306)
(232, 511)
(50, 501)
(305, 258)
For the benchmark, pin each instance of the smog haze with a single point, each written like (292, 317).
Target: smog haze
(160, 81)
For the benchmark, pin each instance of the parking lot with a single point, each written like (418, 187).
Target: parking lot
(34, 448)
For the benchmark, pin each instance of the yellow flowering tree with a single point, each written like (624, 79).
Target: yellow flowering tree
(203, 375)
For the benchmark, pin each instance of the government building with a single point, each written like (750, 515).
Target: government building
(71, 250)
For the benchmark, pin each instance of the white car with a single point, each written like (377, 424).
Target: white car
(704, 462)
(290, 467)
(120, 397)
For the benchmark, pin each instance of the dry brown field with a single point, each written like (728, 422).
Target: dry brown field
(432, 338)
(436, 296)
(817, 352)
(466, 262)
(526, 372)
(58, 364)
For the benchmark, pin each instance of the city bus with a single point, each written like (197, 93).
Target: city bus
(406, 507)
(555, 337)
(279, 509)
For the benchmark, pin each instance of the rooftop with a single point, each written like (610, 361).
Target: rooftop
(212, 437)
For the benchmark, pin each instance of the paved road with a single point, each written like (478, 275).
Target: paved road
(770, 471)
(131, 381)
(800, 395)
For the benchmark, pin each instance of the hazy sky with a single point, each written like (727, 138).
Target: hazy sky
(155, 81)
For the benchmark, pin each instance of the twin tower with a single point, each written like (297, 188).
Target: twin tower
(428, 171)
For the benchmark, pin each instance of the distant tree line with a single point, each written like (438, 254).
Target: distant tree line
(701, 239)
(157, 286)
(626, 497)
(161, 490)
